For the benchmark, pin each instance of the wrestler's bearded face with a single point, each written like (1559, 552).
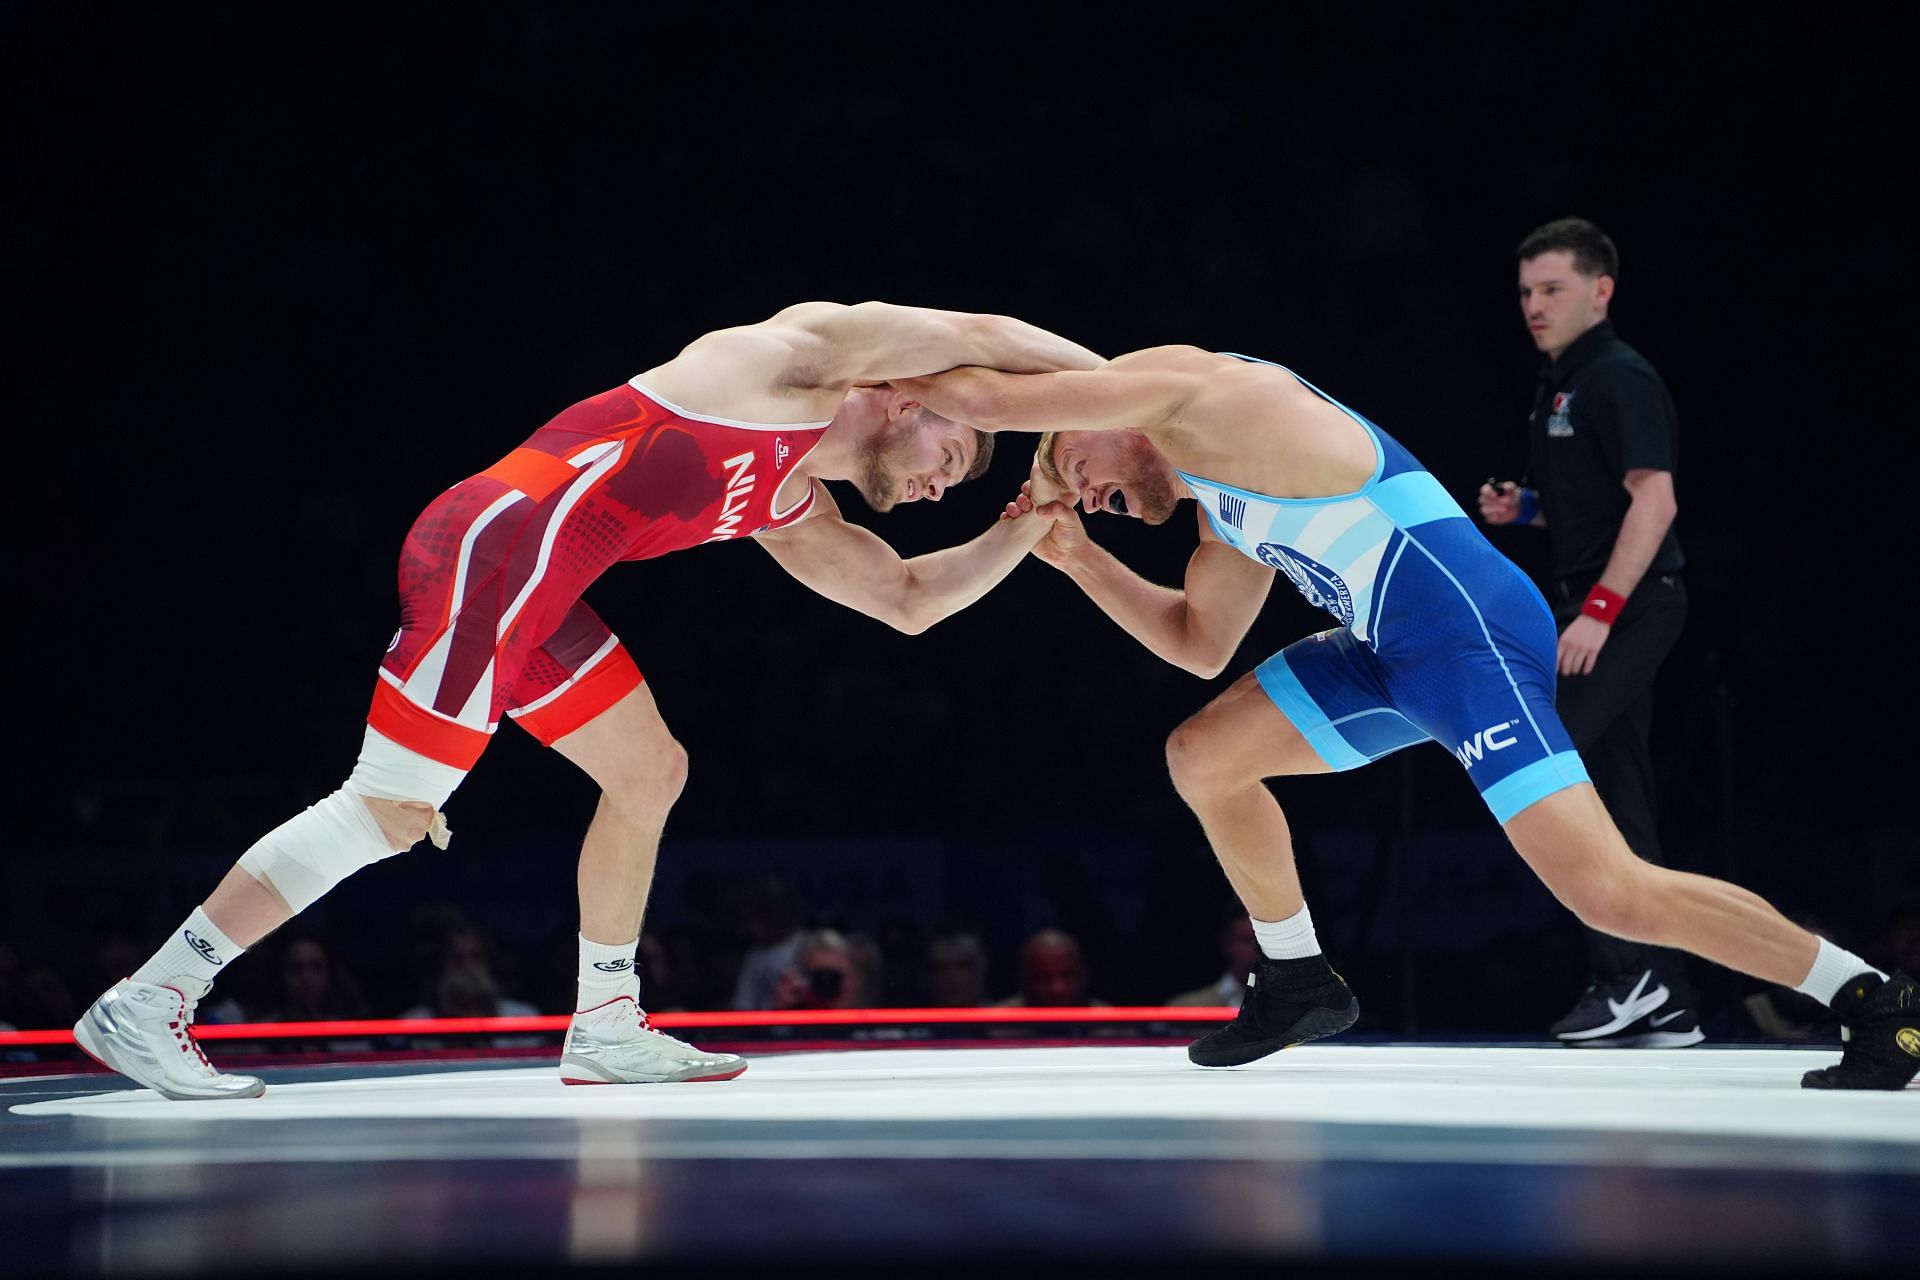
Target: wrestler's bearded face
(1117, 471)
(914, 456)
(882, 459)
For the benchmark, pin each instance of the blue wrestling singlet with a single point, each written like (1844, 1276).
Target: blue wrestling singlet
(1441, 636)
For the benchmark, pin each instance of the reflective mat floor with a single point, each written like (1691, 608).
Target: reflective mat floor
(1335, 1159)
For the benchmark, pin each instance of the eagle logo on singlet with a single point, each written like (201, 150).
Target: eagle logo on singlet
(1320, 586)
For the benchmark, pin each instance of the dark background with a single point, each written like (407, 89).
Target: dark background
(276, 277)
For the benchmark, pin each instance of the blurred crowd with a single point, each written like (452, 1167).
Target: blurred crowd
(778, 955)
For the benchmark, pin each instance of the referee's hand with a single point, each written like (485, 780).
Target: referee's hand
(1580, 645)
(1500, 502)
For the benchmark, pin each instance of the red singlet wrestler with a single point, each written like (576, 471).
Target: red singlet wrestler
(732, 438)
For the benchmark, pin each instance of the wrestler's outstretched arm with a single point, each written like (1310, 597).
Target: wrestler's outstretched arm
(812, 349)
(1145, 391)
(855, 567)
(829, 344)
(1196, 626)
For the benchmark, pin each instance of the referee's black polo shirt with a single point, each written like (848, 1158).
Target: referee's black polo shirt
(1599, 412)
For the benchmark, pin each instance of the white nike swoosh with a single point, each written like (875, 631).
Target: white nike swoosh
(1661, 1022)
(1637, 1003)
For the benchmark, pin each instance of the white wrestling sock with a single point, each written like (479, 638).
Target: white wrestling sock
(1832, 967)
(607, 972)
(1289, 939)
(192, 958)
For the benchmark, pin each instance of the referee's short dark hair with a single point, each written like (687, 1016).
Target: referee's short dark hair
(1592, 250)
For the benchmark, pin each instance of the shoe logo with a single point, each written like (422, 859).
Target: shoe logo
(1661, 1022)
(201, 945)
(155, 997)
(1908, 1038)
(613, 966)
(1653, 999)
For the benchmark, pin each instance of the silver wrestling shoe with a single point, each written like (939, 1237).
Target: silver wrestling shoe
(612, 1043)
(145, 1032)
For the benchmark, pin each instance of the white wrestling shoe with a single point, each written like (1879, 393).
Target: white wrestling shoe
(145, 1032)
(612, 1043)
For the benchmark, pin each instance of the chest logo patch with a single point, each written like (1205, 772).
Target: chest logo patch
(1560, 423)
(1320, 586)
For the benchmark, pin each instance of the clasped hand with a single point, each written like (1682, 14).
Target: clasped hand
(1067, 536)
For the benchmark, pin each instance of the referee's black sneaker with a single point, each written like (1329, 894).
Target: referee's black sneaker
(1287, 1001)
(1631, 1011)
(1880, 1021)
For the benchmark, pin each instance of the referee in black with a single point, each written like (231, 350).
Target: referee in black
(1601, 456)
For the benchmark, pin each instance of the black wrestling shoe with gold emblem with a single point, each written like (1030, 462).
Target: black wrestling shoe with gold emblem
(1287, 1002)
(1881, 1024)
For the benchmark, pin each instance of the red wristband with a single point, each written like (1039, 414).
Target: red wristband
(1603, 604)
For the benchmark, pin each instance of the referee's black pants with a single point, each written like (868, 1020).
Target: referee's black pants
(1609, 715)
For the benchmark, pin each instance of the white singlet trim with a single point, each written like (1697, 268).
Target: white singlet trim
(591, 454)
(576, 490)
(794, 510)
(569, 682)
(665, 403)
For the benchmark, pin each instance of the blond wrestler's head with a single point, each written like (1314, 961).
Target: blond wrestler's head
(1117, 471)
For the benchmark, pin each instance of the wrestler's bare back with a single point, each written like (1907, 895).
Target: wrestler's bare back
(1254, 426)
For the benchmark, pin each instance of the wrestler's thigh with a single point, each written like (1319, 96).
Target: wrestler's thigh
(581, 693)
(1242, 730)
(628, 750)
(1571, 843)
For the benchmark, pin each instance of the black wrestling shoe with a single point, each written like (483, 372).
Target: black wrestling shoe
(1880, 1021)
(1632, 1011)
(1287, 1002)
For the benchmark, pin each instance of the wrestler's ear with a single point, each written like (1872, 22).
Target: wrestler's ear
(901, 405)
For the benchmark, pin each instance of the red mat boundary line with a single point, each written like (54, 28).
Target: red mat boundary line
(851, 1018)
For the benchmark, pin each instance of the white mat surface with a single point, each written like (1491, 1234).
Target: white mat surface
(1704, 1091)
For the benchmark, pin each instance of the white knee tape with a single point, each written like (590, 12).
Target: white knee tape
(313, 851)
(388, 771)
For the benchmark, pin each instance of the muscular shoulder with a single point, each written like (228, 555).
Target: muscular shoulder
(1203, 368)
(808, 317)
(754, 371)
(1170, 392)
(812, 333)
(1177, 375)
(1173, 357)
(1233, 388)
(783, 346)
(831, 345)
